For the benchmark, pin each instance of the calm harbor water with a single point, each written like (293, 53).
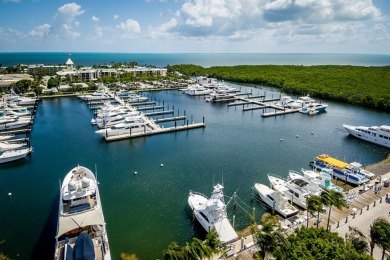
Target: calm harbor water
(145, 212)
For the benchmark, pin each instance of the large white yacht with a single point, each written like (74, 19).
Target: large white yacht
(99, 94)
(375, 134)
(125, 128)
(295, 190)
(211, 213)
(81, 229)
(276, 200)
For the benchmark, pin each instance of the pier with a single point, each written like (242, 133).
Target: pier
(151, 123)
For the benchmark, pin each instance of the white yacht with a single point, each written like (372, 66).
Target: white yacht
(323, 178)
(15, 110)
(294, 190)
(4, 137)
(112, 118)
(13, 155)
(375, 134)
(197, 90)
(81, 229)
(99, 94)
(133, 98)
(286, 102)
(216, 96)
(13, 123)
(22, 101)
(276, 200)
(124, 128)
(211, 213)
(6, 146)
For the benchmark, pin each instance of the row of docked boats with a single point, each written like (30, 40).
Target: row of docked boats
(305, 104)
(284, 193)
(14, 115)
(114, 120)
(213, 90)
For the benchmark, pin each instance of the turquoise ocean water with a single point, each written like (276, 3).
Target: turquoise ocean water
(205, 59)
(145, 212)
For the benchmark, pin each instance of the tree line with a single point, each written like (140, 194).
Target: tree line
(358, 85)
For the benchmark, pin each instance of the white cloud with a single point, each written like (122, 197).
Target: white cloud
(95, 19)
(40, 31)
(66, 20)
(163, 29)
(129, 29)
(116, 16)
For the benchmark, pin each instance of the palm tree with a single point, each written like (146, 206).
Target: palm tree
(331, 199)
(314, 205)
(174, 251)
(270, 238)
(357, 240)
(380, 235)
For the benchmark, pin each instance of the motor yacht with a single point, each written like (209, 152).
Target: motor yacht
(124, 128)
(276, 200)
(216, 96)
(81, 228)
(374, 134)
(6, 146)
(323, 178)
(295, 190)
(211, 213)
(13, 155)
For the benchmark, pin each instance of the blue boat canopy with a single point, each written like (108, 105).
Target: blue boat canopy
(83, 248)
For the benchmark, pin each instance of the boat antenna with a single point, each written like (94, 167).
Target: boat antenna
(96, 174)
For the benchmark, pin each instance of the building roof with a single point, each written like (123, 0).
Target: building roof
(69, 62)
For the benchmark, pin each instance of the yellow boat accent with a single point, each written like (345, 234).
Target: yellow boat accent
(332, 161)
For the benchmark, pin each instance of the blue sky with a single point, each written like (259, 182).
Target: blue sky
(196, 26)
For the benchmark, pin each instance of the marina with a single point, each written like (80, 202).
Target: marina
(232, 145)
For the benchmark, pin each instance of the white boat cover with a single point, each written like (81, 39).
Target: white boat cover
(225, 231)
(92, 217)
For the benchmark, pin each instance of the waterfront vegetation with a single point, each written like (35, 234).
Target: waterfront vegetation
(358, 85)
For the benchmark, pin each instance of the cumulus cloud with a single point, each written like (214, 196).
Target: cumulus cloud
(66, 20)
(95, 19)
(116, 16)
(40, 31)
(129, 28)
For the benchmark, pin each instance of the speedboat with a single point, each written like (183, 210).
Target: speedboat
(81, 228)
(340, 169)
(323, 178)
(13, 155)
(211, 213)
(276, 200)
(313, 108)
(124, 128)
(294, 190)
(375, 134)
(6, 146)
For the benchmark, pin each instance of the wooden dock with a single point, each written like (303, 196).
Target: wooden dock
(168, 119)
(280, 112)
(155, 131)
